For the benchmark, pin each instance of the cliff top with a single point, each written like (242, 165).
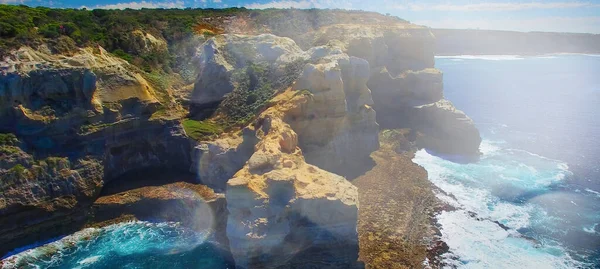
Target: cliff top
(142, 36)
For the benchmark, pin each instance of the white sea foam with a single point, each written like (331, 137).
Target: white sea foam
(89, 261)
(476, 239)
(592, 191)
(483, 57)
(55, 249)
(591, 229)
(487, 146)
(484, 244)
(123, 238)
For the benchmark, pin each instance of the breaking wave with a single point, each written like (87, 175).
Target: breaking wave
(125, 245)
(499, 204)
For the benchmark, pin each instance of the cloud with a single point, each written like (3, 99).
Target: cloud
(545, 24)
(495, 6)
(302, 4)
(11, 1)
(142, 4)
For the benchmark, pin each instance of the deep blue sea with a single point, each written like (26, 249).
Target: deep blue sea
(533, 199)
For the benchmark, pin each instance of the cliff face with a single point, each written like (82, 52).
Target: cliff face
(336, 127)
(82, 120)
(407, 90)
(283, 211)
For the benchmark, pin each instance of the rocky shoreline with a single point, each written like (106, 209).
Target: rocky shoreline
(277, 149)
(397, 226)
(393, 230)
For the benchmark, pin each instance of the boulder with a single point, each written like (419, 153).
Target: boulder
(215, 162)
(446, 129)
(285, 212)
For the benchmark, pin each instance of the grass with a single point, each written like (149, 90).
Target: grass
(8, 139)
(94, 127)
(9, 150)
(199, 130)
(305, 92)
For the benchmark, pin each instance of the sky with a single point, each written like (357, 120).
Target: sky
(520, 15)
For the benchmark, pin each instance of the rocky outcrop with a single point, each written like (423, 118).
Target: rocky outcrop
(215, 162)
(220, 56)
(87, 79)
(418, 97)
(193, 205)
(40, 198)
(141, 43)
(442, 122)
(283, 211)
(399, 47)
(82, 121)
(336, 126)
(404, 83)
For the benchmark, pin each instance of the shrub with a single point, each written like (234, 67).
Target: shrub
(50, 30)
(8, 139)
(123, 55)
(7, 30)
(17, 172)
(199, 130)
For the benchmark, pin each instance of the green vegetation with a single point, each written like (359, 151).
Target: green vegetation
(199, 130)
(94, 127)
(54, 163)
(305, 92)
(9, 150)
(123, 55)
(111, 29)
(255, 84)
(66, 29)
(18, 170)
(8, 139)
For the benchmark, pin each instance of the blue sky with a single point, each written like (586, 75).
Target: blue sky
(554, 16)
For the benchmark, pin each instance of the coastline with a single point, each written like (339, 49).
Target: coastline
(397, 219)
(397, 224)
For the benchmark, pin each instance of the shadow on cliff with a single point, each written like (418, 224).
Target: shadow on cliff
(311, 245)
(146, 177)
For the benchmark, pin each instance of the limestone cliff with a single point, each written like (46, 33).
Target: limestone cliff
(283, 211)
(404, 83)
(81, 120)
(336, 127)
(220, 56)
(87, 119)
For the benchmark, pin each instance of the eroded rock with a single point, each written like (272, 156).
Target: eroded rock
(336, 126)
(220, 56)
(283, 211)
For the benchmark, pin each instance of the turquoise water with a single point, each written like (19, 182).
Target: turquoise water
(533, 199)
(126, 245)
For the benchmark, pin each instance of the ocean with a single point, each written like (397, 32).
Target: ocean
(129, 245)
(533, 199)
